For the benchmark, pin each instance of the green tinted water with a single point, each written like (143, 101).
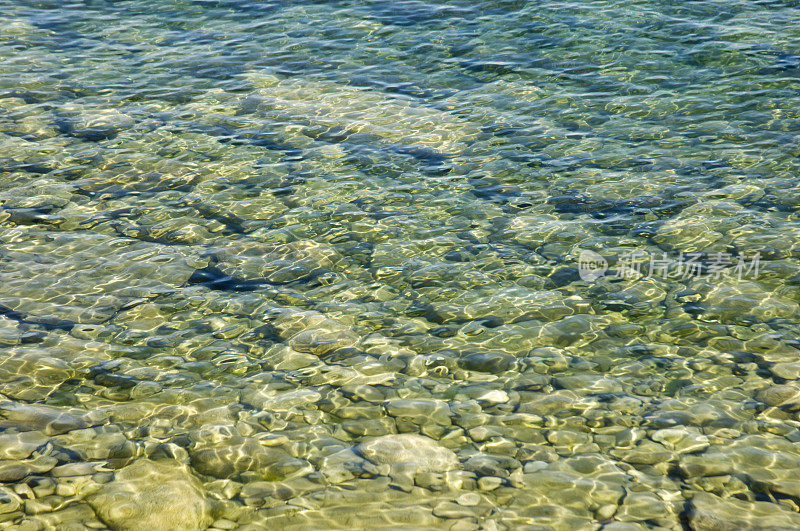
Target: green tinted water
(399, 265)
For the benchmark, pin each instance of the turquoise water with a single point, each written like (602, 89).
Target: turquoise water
(399, 264)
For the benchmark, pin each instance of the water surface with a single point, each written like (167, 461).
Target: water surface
(244, 244)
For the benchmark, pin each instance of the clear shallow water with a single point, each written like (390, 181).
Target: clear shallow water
(244, 242)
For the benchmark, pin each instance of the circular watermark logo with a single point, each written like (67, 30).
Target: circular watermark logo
(591, 265)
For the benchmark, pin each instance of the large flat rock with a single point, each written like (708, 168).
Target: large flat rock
(149, 496)
(425, 453)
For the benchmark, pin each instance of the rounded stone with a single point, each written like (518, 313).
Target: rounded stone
(489, 483)
(468, 499)
(777, 395)
(787, 371)
(491, 362)
(424, 453)
(227, 460)
(149, 495)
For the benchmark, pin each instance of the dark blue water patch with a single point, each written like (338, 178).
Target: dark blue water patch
(10, 165)
(232, 224)
(161, 89)
(96, 134)
(223, 43)
(534, 39)
(768, 204)
(707, 171)
(110, 215)
(562, 277)
(89, 8)
(55, 44)
(58, 21)
(490, 66)
(680, 33)
(214, 278)
(30, 215)
(45, 323)
(398, 85)
(57, 92)
(251, 8)
(786, 64)
(263, 140)
(208, 68)
(461, 49)
(494, 190)
(625, 214)
(413, 12)
(428, 156)
(25, 136)
(578, 204)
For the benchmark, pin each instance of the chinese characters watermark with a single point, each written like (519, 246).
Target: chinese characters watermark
(639, 264)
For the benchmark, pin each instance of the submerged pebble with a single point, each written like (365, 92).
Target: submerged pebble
(423, 453)
(149, 495)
